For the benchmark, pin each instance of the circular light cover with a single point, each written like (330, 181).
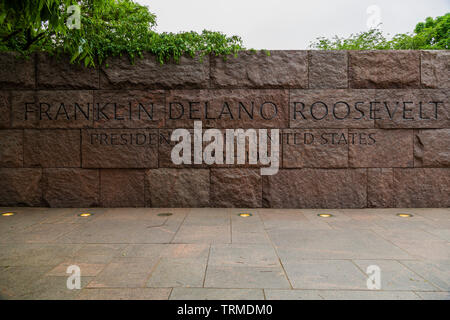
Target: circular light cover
(244, 214)
(164, 214)
(85, 214)
(8, 214)
(325, 215)
(404, 215)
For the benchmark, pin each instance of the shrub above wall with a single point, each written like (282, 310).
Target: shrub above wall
(55, 151)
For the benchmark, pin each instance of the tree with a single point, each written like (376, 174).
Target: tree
(431, 34)
(107, 28)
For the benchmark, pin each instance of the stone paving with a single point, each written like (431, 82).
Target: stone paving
(132, 253)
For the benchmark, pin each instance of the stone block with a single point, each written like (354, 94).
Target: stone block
(236, 188)
(315, 148)
(20, 187)
(148, 73)
(52, 148)
(56, 72)
(177, 188)
(11, 148)
(315, 188)
(380, 148)
(69, 187)
(119, 148)
(384, 69)
(435, 69)
(332, 108)
(432, 148)
(328, 69)
(16, 72)
(279, 69)
(122, 188)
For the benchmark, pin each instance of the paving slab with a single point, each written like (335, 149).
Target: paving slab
(97, 253)
(436, 274)
(124, 273)
(292, 245)
(86, 269)
(17, 281)
(395, 276)
(179, 272)
(212, 253)
(434, 295)
(276, 294)
(325, 274)
(124, 294)
(250, 237)
(339, 295)
(53, 288)
(245, 277)
(35, 254)
(216, 294)
(248, 255)
(203, 234)
(120, 231)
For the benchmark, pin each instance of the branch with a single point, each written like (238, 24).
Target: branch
(9, 36)
(30, 40)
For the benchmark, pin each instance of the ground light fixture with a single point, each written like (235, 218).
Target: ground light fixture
(85, 214)
(164, 214)
(244, 214)
(8, 214)
(325, 215)
(404, 215)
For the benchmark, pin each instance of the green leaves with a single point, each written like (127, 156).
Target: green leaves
(108, 28)
(431, 34)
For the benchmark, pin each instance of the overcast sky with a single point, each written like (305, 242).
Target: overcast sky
(291, 24)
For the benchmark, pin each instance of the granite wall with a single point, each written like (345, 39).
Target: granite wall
(357, 128)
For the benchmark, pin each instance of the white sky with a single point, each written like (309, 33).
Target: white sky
(289, 24)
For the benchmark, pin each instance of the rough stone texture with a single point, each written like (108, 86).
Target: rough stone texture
(122, 188)
(54, 102)
(328, 69)
(52, 148)
(313, 108)
(58, 73)
(380, 186)
(71, 187)
(435, 69)
(315, 188)
(5, 110)
(147, 73)
(282, 69)
(165, 149)
(166, 146)
(422, 187)
(238, 188)
(11, 148)
(223, 108)
(384, 69)
(391, 95)
(119, 148)
(116, 106)
(177, 188)
(432, 148)
(20, 187)
(381, 148)
(314, 148)
(16, 72)
(422, 115)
